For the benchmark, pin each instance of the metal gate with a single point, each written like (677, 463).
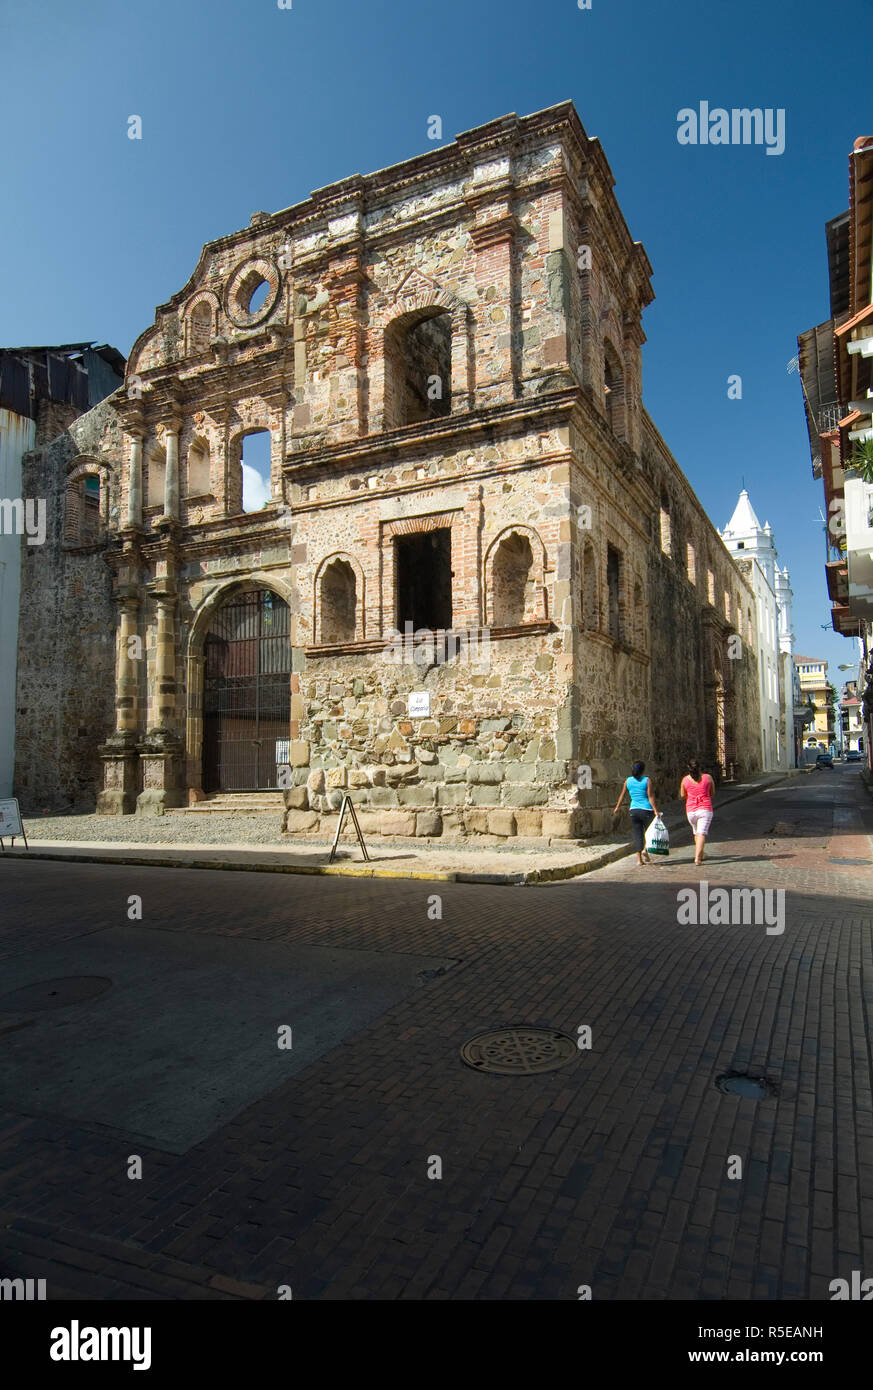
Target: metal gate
(246, 693)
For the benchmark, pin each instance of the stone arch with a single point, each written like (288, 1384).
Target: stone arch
(198, 630)
(416, 300)
(639, 615)
(201, 322)
(417, 365)
(666, 524)
(590, 588)
(513, 579)
(86, 509)
(614, 389)
(338, 600)
(254, 421)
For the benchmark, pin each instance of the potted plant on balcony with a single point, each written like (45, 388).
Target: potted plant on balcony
(861, 462)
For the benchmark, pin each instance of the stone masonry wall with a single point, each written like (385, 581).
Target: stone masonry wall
(66, 653)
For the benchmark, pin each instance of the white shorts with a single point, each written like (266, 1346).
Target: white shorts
(700, 821)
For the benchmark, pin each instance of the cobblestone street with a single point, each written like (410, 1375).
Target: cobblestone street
(309, 1168)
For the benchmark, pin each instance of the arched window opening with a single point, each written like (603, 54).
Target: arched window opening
(691, 563)
(613, 383)
(256, 471)
(201, 327)
(157, 475)
(82, 521)
(418, 369)
(710, 587)
(513, 582)
(338, 602)
(199, 481)
(613, 590)
(666, 532)
(590, 609)
(639, 618)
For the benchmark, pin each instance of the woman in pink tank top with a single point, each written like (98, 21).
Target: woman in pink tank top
(696, 791)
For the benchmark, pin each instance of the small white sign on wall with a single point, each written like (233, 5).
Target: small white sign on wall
(419, 704)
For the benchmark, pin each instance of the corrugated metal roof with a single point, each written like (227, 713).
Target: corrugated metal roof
(34, 374)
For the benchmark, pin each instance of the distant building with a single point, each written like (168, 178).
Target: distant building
(853, 725)
(814, 684)
(754, 552)
(42, 390)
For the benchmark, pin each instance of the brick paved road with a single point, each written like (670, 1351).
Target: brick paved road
(611, 1172)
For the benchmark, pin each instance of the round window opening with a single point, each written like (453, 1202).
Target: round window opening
(256, 293)
(252, 293)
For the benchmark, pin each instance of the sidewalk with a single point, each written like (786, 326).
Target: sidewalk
(511, 863)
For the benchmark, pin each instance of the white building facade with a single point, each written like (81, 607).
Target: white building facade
(754, 550)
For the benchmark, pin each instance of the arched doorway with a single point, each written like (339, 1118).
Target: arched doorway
(246, 693)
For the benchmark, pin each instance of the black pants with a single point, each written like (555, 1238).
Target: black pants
(641, 820)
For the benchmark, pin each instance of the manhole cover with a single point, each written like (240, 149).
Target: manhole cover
(738, 1084)
(519, 1051)
(55, 994)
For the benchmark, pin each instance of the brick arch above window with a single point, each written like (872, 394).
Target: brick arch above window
(415, 293)
(415, 299)
(407, 526)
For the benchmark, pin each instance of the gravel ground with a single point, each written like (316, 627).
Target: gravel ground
(159, 830)
(239, 828)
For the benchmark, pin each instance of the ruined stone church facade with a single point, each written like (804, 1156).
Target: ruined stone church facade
(447, 358)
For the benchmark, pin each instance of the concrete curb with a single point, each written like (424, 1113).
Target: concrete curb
(528, 878)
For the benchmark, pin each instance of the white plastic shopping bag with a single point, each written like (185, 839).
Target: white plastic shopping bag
(658, 837)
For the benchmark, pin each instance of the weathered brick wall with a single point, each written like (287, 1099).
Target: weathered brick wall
(66, 649)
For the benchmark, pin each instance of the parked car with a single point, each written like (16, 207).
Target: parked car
(853, 756)
(824, 760)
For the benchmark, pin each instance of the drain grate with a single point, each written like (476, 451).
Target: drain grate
(750, 1087)
(55, 994)
(519, 1051)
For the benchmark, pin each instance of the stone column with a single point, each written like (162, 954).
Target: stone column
(134, 483)
(119, 754)
(127, 669)
(171, 478)
(161, 749)
(163, 705)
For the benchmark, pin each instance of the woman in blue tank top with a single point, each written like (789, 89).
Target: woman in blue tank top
(642, 808)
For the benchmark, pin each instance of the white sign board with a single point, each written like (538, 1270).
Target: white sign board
(10, 818)
(419, 704)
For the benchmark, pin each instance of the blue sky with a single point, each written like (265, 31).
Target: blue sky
(248, 107)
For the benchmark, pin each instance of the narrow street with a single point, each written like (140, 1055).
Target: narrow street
(312, 1166)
